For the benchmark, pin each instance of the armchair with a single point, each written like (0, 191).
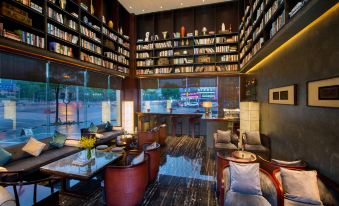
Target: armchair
(222, 146)
(147, 137)
(269, 188)
(29, 192)
(126, 185)
(154, 162)
(263, 149)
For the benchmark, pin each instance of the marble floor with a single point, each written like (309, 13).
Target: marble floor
(186, 176)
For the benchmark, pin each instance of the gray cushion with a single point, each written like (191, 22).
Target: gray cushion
(255, 148)
(237, 199)
(223, 136)
(252, 137)
(34, 163)
(288, 202)
(225, 146)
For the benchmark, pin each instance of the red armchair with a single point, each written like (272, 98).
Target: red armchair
(154, 162)
(162, 134)
(147, 138)
(126, 185)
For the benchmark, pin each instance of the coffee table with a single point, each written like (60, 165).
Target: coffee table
(66, 170)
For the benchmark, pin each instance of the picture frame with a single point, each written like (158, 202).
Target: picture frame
(323, 92)
(286, 95)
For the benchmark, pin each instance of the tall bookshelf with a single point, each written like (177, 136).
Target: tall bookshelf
(70, 32)
(261, 22)
(214, 52)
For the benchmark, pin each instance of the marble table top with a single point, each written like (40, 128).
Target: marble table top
(66, 169)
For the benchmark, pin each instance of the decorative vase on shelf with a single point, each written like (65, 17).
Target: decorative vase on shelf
(223, 28)
(164, 34)
(63, 4)
(104, 19)
(182, 34)
(204, 30)
(110, 24)
(92, 8)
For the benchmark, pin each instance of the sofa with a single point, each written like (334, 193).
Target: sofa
(25, 163)
(107, 136)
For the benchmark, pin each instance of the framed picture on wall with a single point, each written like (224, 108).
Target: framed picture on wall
(283, 95)
(323, 93)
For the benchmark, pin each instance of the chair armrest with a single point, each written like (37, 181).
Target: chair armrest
(265, 141)
(222, 193)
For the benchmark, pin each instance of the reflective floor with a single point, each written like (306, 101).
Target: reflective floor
(186, 176)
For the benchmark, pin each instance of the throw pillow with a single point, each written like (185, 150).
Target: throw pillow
(92, 128)
(252, 138)
(224, 136)
(99, 136)
(73, 143)
(6, 198)
(245, 178)
(286, 163)
(3, 169)
(152, 146)
(33, 147)
(138, 159)
(58, 140)
(27, 132)
(300, 186)
(4, 156)
(108, 126)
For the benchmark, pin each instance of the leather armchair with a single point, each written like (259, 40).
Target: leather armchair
(126, 185)
(154, 163)
(148, 137)
(328, 190)
(269, 188)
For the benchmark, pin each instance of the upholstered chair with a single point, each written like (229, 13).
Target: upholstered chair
(269, 188)
(328, 190)
(154, 162)
(126, 185)
(262, 148)
(147, 137)
(229, 146)
(162, 134)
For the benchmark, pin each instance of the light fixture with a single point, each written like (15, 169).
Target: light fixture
(160, 7)
(181, 3)
(128, 116)
(143, 10)
(249, 117)
(207, 106)
(130, 7)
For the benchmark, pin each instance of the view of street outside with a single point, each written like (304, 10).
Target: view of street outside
(24, 104)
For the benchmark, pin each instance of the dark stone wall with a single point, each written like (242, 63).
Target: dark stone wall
(302, 132)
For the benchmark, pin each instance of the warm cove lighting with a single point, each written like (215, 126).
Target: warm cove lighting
(295, 38)
(128, 116)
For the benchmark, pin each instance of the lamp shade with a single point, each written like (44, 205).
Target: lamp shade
(207, 104)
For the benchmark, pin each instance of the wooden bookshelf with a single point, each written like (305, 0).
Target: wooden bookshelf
(264, 33)
(61, 31)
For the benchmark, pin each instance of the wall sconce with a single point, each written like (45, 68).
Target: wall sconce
(249, 117)
(128, 116)
(207, 106)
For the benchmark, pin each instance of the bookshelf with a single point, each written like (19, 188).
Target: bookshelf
(72, 32)
(259, 30)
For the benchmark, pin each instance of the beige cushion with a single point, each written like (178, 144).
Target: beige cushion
(33, 147)
(99, 136)
(286, 163)
(252, 138)
(300, 186)
(2, 169)
(138, 159)
(6, 198)
(223, 136)
(73, 143)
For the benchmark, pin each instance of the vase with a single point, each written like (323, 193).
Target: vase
(164, 34)
(89, 154)
(182, 34)
(110, 24)
(92, 8)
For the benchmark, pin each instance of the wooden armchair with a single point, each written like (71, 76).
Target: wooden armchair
(29, 192)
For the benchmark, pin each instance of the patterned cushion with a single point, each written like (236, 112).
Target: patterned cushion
(34, 147)
(58, 140)
(92, 128)
(223, 136)
(252, 138)
(5, 156)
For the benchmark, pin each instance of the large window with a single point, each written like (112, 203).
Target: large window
(188, 95)
(46, 97)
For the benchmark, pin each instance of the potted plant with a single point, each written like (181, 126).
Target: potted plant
(88, 143)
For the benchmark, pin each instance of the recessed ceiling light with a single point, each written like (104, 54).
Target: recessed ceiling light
(143, 10)
(181, 3)
(160, 7)
(130, 7)
(203, 0)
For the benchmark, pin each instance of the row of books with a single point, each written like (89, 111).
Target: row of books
(123, 51)
(221, 49)
(183, 61)
(55, 31)
(277, 24)
(61, 19)
(34, 6)
(145, 46)
(87, 32)
(167, 44)
(166, 53)
(272, 10)
(206, 41)
(204, 51)
(25, 37)
(231, 39)
(142, 55)
(60, 49)
(90, 46)
(231, 58)
(148, 62)
(91, 59)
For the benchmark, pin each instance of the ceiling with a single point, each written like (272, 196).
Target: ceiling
(149, 6)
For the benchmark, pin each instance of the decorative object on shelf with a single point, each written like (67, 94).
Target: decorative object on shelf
(204, 59)
(156, 37)
(164, 34)
(204, 30)
(323, 93)
(120, 31)
(223, 28)
(182, 34)
(283, 95)
(110, 24)
(163, 61)
(88, 144)
(187, 42)
(185, 52)
(63, 3)
(230, 28)
(251, 90)
(147, 36)
(85, 19)
(92, 8)
(207, 106)
(196, 32)
(104, 19)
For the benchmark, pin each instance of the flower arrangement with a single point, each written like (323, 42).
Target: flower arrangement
(88, 143)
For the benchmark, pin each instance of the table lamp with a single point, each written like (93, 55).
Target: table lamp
(207, 106)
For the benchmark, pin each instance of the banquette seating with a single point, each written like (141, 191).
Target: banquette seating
(104, 133)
